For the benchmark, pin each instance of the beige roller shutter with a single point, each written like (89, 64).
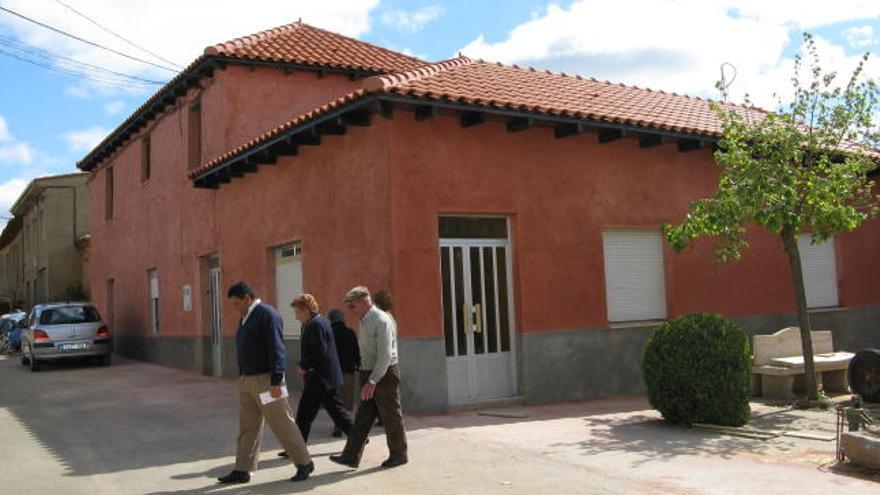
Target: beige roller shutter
(820, 272)
(288, 285)
(635, 288)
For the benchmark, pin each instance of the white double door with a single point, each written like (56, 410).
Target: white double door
(477, 303)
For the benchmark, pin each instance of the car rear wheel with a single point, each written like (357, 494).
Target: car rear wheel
(106, 360)
(35, 365)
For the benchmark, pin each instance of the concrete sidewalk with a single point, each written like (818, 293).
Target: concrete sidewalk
(136, 428)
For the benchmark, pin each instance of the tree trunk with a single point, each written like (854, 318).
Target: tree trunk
(794, 260)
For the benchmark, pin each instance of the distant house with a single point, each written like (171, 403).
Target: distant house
(513, 213)
(41, 256)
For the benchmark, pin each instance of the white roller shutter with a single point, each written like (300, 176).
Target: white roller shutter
(288, 285)
(635, 288)
(820, 272)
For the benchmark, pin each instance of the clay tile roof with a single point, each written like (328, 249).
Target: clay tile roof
(476, 82)
(304, 44)
(296, 43)
(505, 86)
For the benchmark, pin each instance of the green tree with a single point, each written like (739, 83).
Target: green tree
(800, 169)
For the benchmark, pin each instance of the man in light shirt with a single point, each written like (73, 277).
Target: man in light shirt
(380, 374)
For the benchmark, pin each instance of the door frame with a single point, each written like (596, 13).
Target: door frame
(216, 312)
(465, 244)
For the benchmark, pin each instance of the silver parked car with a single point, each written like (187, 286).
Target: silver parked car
(62, 331)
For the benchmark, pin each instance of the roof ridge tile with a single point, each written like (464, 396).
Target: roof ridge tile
(390, 81)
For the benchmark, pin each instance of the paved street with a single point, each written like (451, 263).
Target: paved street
(143, 429)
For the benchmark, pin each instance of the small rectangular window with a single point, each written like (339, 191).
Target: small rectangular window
(108, 207)
(194, 134)
(820, 272)
(145, 159)
(473, 228)
(288, 284)
(634, 276)
(153, 275)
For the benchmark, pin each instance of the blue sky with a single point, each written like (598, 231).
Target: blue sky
(48, 120)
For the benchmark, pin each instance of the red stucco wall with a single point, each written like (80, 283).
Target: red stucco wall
(167, 224)
(561, 194)
(366, 206)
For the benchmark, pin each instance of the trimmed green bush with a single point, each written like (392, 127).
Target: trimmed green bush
(697, 369)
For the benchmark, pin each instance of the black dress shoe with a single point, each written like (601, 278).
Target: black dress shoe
(303, 472)
(282, 454)
(392, 462)
(235, 477)
(345, 461)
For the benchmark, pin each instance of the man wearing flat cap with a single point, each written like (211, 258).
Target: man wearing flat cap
(380, 375)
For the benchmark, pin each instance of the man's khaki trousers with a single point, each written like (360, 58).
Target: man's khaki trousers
(251, 416)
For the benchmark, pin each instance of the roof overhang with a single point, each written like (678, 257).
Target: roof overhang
(203, 67)
(266, 150)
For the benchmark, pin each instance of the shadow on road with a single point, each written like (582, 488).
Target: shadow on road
(273, 487)
(128, 416)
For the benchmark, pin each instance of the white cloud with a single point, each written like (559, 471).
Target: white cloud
(5, 137)
(114, 107)
(678, 45)
(86, 139)
(9, 192)
(181, 37)
(12, 151)
(17, 153)
(411, 22)
(860, 37)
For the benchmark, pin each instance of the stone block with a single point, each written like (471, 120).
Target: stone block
(862, 448)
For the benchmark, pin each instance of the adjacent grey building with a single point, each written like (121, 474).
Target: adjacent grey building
(43, 249)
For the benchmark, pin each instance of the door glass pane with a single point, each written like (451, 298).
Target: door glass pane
(448, 312)
(504, 316)
(491, 327)
(458, 276)
(477, 298)
(473, 228)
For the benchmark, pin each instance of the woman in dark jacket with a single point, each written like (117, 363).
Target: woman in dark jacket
(319, 365)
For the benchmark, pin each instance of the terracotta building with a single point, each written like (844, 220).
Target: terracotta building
(513, 213)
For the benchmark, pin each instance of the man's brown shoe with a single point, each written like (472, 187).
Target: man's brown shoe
(235, 477)
(345, 461)
(391, 462)
(303, 472)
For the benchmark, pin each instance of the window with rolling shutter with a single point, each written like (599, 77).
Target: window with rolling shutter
(820, 272)
(288, 285)
(634, 277)
(153, 275)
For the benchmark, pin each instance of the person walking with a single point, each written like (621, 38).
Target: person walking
(319, 367)
(380, 393)
(349, 359)
(262, 360)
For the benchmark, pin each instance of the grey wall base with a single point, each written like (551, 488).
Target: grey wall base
(195, 354)
(552, 365)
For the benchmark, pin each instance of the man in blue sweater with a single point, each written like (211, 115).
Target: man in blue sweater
(262, 360)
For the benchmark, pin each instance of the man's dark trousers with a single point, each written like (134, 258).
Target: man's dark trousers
(385, 404)
(315, 394)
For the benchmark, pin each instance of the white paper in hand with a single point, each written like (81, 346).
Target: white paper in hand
(266, 397)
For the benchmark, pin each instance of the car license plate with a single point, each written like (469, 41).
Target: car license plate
(74, 346)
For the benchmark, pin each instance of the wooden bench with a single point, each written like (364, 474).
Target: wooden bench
(778, 364)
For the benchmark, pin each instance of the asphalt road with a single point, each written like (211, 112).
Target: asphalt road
(136, 428)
